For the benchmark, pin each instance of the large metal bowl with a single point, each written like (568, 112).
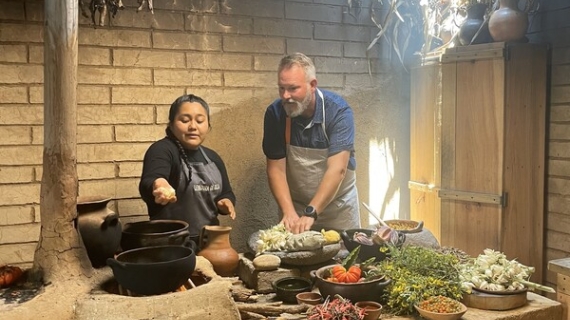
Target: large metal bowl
(153, 270)
(355, 292)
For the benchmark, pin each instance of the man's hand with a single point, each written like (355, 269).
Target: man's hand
(225, 206)
(290, 220)
(302, 224)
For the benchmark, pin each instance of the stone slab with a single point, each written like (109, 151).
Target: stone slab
(260, 281)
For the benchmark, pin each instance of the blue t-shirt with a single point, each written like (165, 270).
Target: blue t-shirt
(308, 132)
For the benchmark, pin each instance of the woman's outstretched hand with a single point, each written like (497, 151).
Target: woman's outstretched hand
(225, 206)
(163, 192)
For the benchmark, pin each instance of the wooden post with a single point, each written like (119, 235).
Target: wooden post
(60, 254)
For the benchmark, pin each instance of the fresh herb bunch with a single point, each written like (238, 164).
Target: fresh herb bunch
(418, 273)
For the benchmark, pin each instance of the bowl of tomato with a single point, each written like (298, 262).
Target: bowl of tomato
(441, 308)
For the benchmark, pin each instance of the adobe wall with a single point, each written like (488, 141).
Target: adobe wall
(224, 51)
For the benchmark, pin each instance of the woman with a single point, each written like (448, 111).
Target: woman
(181, 179)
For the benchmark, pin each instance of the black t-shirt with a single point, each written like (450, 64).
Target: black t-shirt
(162, 160)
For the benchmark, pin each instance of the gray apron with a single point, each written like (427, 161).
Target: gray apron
(196, 202)
(305, 170)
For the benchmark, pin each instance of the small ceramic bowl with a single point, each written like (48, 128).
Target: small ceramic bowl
(310, 298)
(287, 288)
(373, 309)
(442, 316)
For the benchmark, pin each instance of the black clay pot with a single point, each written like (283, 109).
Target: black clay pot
(366, 251)
(287, 288)
(99, 227)
(355, 292)
(155, 233)
(153, 270)
(474, 25)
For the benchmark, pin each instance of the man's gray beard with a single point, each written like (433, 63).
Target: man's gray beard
(301, 107)
(295, 112)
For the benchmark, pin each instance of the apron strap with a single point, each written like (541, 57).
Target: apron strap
(287, 130)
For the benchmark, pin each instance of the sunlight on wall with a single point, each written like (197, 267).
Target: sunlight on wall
(382, 199)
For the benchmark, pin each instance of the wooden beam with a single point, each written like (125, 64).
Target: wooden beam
(59, 240)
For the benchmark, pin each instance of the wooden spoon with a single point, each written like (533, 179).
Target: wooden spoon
(375, 215)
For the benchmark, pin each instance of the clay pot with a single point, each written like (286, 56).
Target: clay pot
(372, 309)
(218, 250)
(355, 292)
(153, 270)
(471, 25)
(287, 288)
(508, 23)
(99, 227)
(155, 233)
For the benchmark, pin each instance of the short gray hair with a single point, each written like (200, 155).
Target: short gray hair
(301, 60)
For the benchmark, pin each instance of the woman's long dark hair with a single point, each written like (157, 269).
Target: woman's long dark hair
(174, 107)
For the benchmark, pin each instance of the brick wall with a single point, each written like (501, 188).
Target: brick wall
(551, 25)
(130, 72)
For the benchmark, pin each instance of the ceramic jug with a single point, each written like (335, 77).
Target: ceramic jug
(216, 247)
(99, 227)
(508, 23)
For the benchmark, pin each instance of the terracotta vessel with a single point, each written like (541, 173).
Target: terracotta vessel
(99, 227)
(216, 247)
(508, 23)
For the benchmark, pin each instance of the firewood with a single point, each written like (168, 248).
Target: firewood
(241, 294)
(245, 315)
(270, 309)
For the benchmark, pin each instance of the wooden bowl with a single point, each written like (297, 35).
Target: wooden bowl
(405, 226)
(442, 316)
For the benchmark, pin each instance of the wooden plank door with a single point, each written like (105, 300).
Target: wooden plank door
(425, 126)
(472, 153)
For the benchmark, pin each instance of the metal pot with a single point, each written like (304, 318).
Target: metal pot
(155, 233)
(355, 292)
(153, 270)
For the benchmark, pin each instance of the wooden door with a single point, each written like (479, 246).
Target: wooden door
(472, 154)
(425, 126)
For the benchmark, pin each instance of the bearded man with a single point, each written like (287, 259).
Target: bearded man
(308, 140)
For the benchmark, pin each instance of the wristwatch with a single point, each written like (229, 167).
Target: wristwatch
(311, 212)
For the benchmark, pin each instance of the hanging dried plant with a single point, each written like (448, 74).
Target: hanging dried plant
(423, 26)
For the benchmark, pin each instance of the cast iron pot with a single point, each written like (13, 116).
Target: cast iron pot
(355, 292)
(153, 270)
(155, 233)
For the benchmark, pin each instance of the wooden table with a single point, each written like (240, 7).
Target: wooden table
(538, 308)
(562, 269)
